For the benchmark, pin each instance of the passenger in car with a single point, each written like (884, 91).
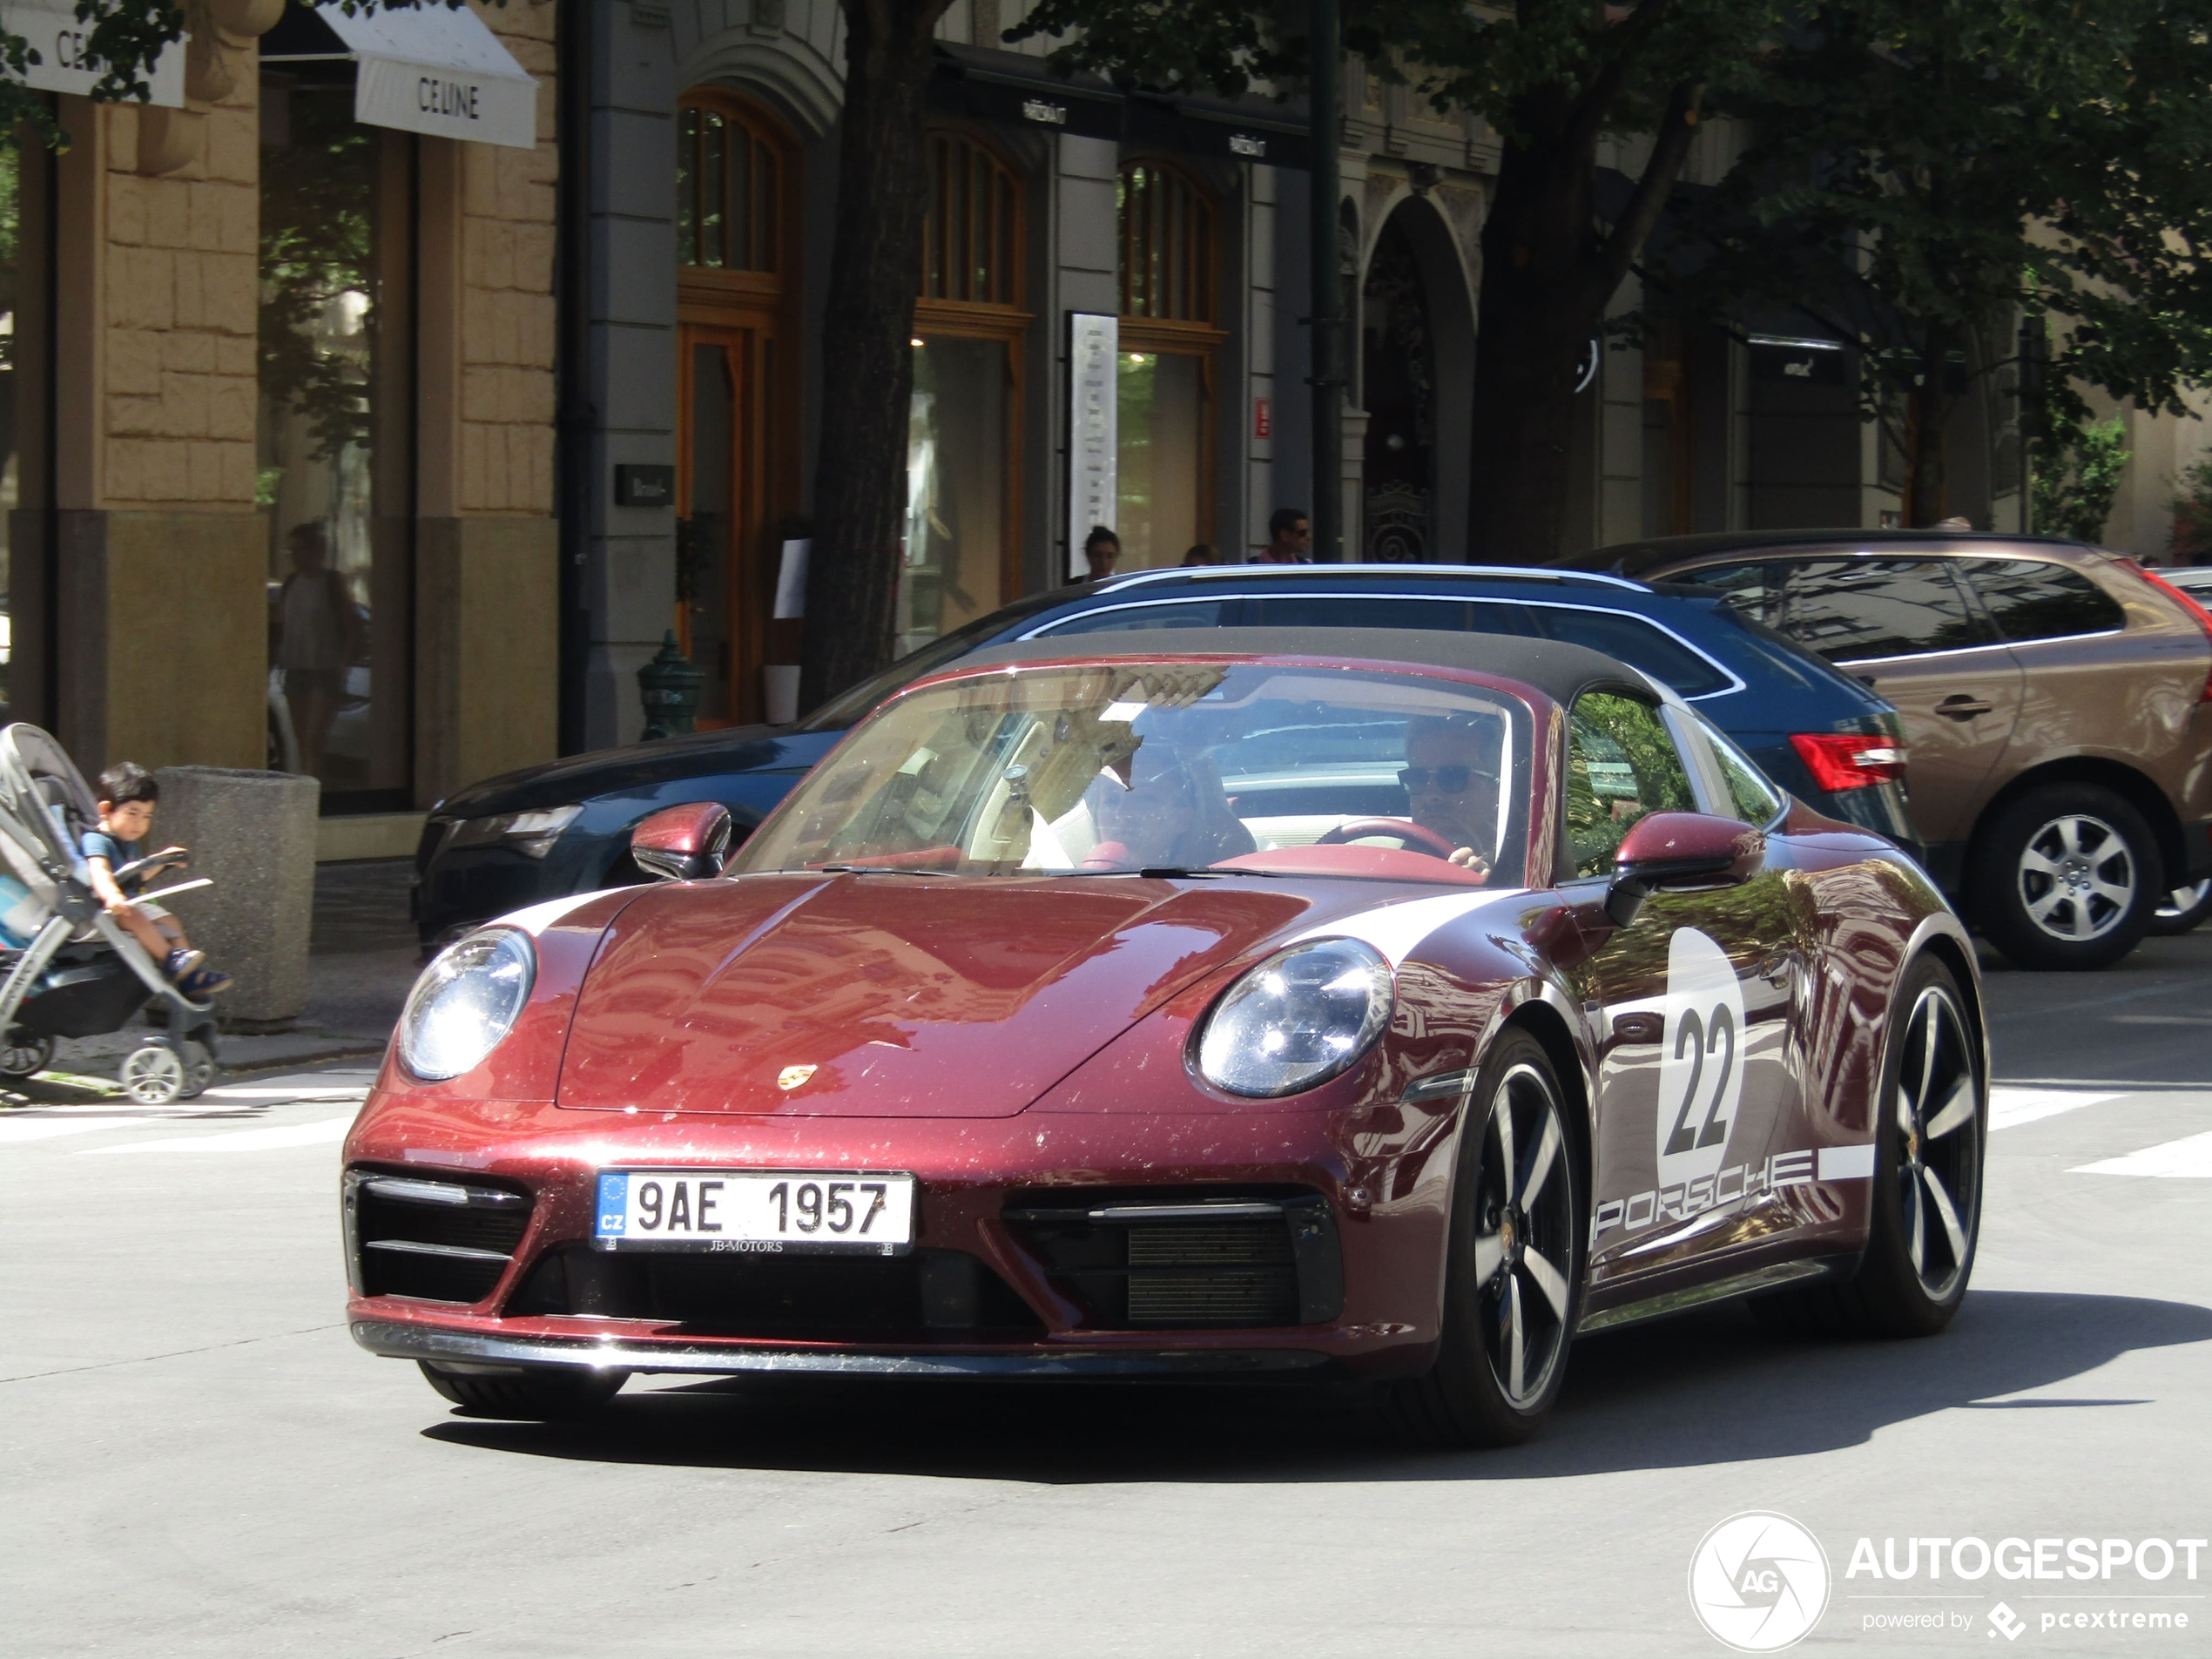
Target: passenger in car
(1451, 780)
(1171, 813)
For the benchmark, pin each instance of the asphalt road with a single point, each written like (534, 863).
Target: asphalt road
(199, 1461)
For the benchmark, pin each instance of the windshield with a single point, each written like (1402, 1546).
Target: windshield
(1139, 765)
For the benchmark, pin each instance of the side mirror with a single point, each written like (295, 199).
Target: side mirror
(686, 843)
(1680, 850)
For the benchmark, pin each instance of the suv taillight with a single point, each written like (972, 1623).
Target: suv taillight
(2198, 613)
(1840, 761)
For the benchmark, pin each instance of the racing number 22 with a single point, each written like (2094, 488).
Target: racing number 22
(1696, 1038)
(823, 1204)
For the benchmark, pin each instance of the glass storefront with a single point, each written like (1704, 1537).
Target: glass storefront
(1162, 396)
(335, 438)
(956, 487)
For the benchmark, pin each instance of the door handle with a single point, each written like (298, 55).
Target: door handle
(1963, 706)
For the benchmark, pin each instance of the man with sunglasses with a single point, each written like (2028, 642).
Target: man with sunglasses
(1451, 778)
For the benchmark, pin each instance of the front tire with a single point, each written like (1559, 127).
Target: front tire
(1931, 1121)
(542, 1393)
(1512, 1273)
(2067, 879)
(2181, 910)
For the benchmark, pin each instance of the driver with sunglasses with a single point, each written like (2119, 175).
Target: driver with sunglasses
(1451, 780)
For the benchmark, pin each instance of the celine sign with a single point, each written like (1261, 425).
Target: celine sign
(428, 69)
(1093, 356)
(64, 61)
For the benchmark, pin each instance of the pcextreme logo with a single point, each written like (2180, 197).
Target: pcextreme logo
(1758, 1582)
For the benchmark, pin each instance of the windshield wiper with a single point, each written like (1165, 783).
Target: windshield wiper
(1168, 872)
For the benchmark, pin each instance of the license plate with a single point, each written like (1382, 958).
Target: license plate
(756, 1211)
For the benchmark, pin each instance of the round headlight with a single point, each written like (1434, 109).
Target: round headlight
(1297, 1019)
(465, 1002)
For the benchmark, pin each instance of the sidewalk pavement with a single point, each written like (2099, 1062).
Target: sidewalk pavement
(362, 959)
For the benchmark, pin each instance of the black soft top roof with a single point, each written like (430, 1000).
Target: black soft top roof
(1560, 671)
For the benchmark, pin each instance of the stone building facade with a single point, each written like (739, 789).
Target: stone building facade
(254, 320)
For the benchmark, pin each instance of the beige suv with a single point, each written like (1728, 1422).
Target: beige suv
(2057, 702)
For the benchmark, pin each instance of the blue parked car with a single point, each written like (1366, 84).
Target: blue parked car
(564, 827)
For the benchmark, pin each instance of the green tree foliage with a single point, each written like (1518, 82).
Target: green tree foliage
(1922, 173)
(2075, 474)
(1553, 79)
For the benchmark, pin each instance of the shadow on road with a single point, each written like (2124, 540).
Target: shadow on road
(1711, 1389)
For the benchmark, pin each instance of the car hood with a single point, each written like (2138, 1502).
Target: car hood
(886, 996)
(641, 768)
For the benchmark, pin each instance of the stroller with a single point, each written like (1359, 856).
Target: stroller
(67, 968)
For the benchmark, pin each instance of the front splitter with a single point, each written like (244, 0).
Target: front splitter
(473, 1350)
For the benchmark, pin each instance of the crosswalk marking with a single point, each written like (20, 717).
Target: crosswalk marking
(2011, 1106)
(14, 1130)
(2187, 1158)
(321, 1132)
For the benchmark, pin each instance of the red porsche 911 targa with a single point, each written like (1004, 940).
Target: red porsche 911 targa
(1374, 1006)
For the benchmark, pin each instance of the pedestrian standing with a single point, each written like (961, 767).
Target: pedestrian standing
(1103, 549)
(1290, 538)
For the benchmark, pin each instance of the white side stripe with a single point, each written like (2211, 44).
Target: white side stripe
(1397, 930)
(1847, 1163)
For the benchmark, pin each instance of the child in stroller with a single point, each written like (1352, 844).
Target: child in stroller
(67, 968)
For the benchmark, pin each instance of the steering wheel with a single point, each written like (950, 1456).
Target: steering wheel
(1415, 837)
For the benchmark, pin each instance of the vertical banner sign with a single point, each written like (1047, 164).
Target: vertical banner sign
(1093, 434)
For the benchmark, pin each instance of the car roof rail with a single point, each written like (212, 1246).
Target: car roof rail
(1308, 572)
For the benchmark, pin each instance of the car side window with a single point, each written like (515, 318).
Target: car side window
(1196, 613)
(2036, 599)
(1621, 763)
(1750, 797)
(1858, 609)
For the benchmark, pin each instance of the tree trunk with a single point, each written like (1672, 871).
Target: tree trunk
(1534, 325)
(867, 365)
(1923, 504)
(1548, 273)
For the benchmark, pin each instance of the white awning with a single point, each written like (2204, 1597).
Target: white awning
(430, 69)
(51, 28)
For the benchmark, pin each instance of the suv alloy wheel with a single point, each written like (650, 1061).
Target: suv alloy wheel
(2067, 877)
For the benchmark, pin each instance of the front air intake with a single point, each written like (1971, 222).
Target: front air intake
(430, 1240)
(1140, 1261)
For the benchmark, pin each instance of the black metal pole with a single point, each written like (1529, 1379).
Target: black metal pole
(1327, 285)
(577, 419)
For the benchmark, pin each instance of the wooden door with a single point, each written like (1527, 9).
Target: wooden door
(736, 395)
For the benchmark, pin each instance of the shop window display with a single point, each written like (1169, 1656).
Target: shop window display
(335, 432)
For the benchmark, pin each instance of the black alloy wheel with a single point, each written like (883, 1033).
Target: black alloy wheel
(1931, 1128)
(536, 1393)
(2183, 909)
(1513, 1269)
(2067, 877)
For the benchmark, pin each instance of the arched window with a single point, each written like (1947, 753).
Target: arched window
(972, 242)
(727, 168)
(1164, 418)
(1167, 244)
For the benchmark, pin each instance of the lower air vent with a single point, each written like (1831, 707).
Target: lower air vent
(435, 1241)
(928, 1295)
(1152, 1261)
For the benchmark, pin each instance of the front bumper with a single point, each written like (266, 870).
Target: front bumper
(1371, 1307)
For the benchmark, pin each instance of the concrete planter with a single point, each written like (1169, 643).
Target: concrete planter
(252, 833)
